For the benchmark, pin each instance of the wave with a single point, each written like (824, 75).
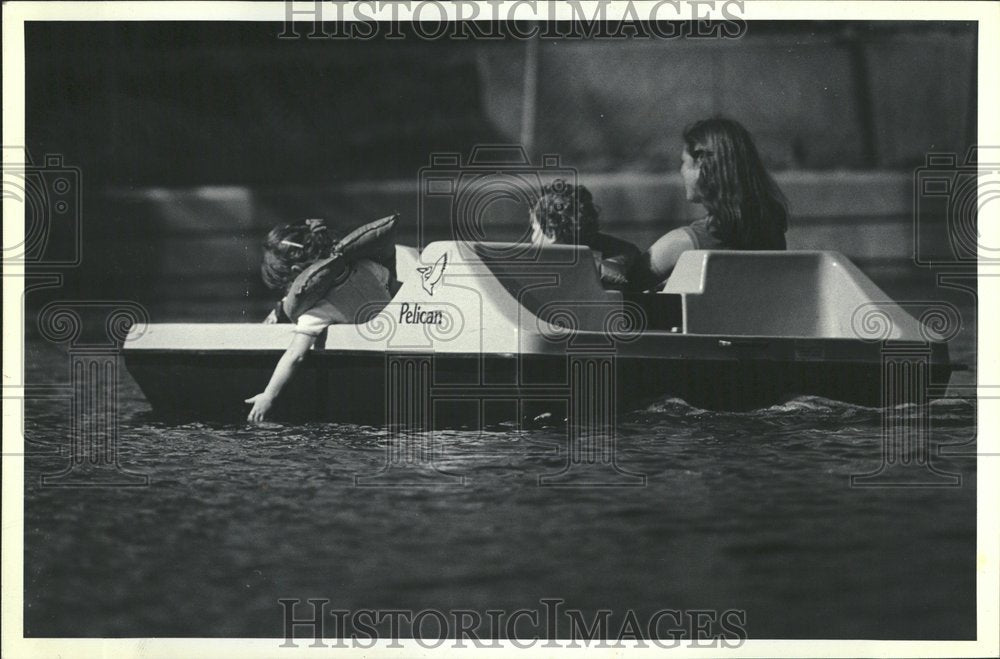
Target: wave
(815, 406)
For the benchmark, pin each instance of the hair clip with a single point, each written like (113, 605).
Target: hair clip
(291, 244)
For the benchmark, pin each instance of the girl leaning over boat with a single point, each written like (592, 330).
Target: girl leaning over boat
(322, 287)
(722, 171)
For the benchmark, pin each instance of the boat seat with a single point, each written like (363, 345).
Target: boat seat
(794, 293)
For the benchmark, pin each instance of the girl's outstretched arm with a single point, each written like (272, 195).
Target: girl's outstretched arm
(296, 352)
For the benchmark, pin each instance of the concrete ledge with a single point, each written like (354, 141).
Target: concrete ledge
(625, 198)
(190, 246)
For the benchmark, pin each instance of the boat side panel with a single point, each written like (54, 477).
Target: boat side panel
(471, 389)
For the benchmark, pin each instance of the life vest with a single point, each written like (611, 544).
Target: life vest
(375, 241)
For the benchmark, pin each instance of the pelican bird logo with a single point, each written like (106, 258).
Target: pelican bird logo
(431, 275)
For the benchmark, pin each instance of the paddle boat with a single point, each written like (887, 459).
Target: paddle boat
(481, 332)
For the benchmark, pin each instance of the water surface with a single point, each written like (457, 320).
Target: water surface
(750, 511)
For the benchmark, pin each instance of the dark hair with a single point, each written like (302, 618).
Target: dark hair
(747, 208)
(566, 213)
(292, 245)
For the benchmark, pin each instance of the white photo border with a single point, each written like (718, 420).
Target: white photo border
(15, 14)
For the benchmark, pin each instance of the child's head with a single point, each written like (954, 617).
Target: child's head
(291, 248)
(564, 214)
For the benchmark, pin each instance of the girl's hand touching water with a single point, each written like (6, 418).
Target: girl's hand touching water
(261, 406)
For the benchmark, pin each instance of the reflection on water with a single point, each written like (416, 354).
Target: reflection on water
(740, 511)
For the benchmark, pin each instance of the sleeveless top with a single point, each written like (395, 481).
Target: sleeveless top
(704, 236)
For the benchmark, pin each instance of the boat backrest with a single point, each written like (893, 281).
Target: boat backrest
(407, 259)
(560, 281)
(794, 293)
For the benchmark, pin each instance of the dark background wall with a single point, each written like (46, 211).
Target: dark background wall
(193, 139)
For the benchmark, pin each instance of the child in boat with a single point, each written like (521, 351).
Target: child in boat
(565, 214)
(290, 249)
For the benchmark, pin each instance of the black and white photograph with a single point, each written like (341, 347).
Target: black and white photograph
(532, 327)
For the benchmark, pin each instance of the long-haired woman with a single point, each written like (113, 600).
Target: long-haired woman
(723, 172)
